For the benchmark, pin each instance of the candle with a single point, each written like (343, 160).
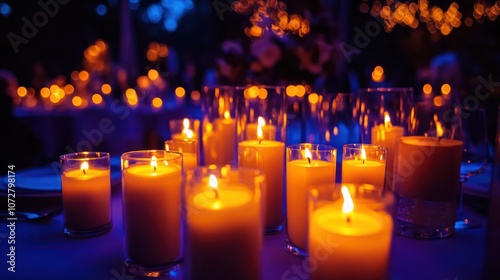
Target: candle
(186, 133)
(268, 130)
(358, 169)
(300, 174)
(349, 242)
(188, 149)
(426, 180)
(386, 135)
(151, 201)
(219, 141)
(86, 193)
(267, 156)
(86, 198)
(223, 229)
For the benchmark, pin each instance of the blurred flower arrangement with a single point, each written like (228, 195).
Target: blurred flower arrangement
(279, 48)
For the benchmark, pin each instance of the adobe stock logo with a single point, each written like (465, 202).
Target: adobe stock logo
(29, 30)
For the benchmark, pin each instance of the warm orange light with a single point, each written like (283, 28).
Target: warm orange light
(227, 115)
(157, 102)
(77, 101)
(185, 130)
(214, 184)
(307, 154)
(69, 89)
(97, 98)
(54, 98)
(153, 74)
(439, 126)
(260, 123)
(427, 89)
(262, 93)
(348, 205)
(74, 75)
(130, 92)
(54, 89)
(438, 101)
(106, 89)
(84, 166)
(163, 52)
(291, 90)
(363, 154)
(313, 98)
(153, 163)
(300, 90)
(83, 75)
(195, 95)
(253, 91)
(445, 89)
(180, 92)
(22, 91)
(45, 92)
(387, 120)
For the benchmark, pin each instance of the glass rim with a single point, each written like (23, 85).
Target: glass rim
(185, 140)
(359, 146)
(321, 147)
(87, 155)
(240, 87)
(129, 155)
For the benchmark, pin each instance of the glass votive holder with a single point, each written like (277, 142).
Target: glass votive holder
(224, 228)
(218, 130)
(385, 115)
(184, 129)
(151, 194)
(364, 164)
(306, 165)
(350, 232)
(426, 185)
(262, 130)
(188, 149)
(86, 193)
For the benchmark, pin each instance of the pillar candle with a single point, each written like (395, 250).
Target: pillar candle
(300, 175)
(223, 232)
(349, 246)
(267, 156)
(86, 198)
(219, 141)
(151, 213)
(427, 169)
(362, 170)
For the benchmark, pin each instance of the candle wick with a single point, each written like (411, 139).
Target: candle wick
(309, 160)
(363, 161)
(154, 168)
(216, 193)
(439, 138)
(84, 171)
(260, 141)
(348, 219)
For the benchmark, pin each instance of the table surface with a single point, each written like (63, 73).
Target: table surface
(44, 252)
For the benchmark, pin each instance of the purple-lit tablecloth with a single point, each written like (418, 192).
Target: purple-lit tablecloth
(44, 252)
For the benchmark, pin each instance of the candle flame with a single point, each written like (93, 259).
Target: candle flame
(84, 167)
(308, 155)
(153, 162)
(348, 205)
(185, 123)
(439, 127)
(227, 115)
(387, 120)
(260, 123)
(186, 131)
(363, 154)
(213, 183)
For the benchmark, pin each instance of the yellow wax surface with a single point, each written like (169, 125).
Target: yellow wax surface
(267, 156)
(358, 249)
(86, 198)
(151, 201)
(369, 172)
(300, 176)
(228, 198)
(426, 169)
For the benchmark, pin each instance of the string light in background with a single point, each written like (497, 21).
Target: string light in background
(412, 14)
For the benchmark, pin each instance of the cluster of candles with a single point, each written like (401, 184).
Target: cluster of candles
(227, 209)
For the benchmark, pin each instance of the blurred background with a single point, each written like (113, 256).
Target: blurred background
(65, 66)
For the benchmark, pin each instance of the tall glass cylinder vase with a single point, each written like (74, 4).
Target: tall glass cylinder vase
(218, 125)
(261, 129)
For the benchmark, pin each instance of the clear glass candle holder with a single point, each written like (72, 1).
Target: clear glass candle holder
(184, 129)
(188, 149)
(151, 195)
(364, 164)
(306, 165)
(224, 227)
(262, 131)
(86, 191)
(350, 231)
(218, 129)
